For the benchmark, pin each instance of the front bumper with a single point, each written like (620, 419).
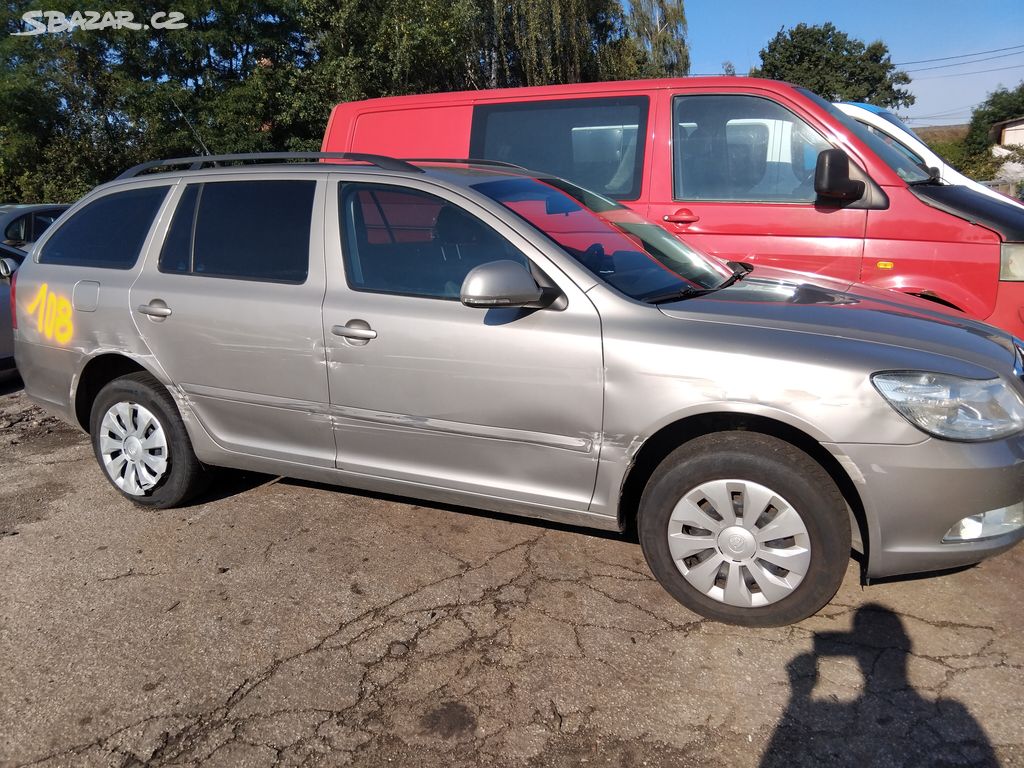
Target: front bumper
(913, 494)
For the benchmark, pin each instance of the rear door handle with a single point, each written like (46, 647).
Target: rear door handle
(155, 308)
(682, 216)
(357, 330)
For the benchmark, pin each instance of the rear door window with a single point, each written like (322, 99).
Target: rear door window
(742, 148)
(595, 143)
(247, 230)
(108, 232)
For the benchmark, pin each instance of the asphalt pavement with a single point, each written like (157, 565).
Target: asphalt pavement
(278, 622)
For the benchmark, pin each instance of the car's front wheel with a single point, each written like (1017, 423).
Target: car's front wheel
(746, 529)
(140, 442)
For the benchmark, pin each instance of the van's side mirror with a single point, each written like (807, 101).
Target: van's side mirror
(832, 177)
(7, 268)
(500, 284)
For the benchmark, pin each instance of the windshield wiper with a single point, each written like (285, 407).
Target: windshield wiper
(677, 295)
(740, 269)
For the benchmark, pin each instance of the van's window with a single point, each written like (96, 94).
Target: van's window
(890, 117)
(898, 145)
(905, 168)
(409, 242)
(246, 230)
(596, 143)
(742, 148)
(108, 232)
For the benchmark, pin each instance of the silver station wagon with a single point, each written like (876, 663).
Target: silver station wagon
(477, 334)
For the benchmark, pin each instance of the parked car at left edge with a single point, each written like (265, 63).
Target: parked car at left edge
(12, 258)
(22, 225)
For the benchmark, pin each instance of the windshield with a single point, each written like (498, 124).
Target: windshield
(898, 145)
(890, 117)
(904, 167)
(618, 246)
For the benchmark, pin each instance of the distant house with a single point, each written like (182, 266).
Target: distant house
(1008, 133)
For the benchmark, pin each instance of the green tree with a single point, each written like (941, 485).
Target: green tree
(1001, 104)
(835, 66)
(77, 107)
(659, 27)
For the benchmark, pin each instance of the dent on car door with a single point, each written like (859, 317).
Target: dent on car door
(503, 402)
(231, 307)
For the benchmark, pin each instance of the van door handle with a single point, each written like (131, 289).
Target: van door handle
(155, 308)
(357, 330)
(682, 216)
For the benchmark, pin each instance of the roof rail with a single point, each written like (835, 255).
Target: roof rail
(196, 163)
(466, 160)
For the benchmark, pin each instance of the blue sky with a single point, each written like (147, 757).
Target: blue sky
(736, 30)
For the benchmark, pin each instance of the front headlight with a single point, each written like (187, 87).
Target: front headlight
(952, 407)
(1011, 261)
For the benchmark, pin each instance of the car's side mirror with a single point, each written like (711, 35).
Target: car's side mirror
(7, 268)
(832, 177)
(500, 284)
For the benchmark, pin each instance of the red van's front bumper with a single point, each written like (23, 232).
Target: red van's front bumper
(1008, 313)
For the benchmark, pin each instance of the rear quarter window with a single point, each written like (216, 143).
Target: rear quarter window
(595, 143)
(108, 232)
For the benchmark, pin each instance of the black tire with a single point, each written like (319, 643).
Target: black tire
(185, 476)
(777, 465)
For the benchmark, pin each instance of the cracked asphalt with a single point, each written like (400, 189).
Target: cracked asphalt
(286, 623)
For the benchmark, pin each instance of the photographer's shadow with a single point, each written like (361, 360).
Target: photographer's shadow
(888, 724)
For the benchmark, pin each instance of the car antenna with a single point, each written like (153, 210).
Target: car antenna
(206, 150)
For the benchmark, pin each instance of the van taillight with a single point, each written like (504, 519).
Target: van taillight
(14, 304)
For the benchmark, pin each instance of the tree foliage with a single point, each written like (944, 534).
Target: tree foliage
(972, 154)
(835, 66)
(77, 107)
(1001, 104)
(660, 29)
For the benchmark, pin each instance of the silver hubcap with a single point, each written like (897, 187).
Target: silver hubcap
(739, 543)
(134, 448)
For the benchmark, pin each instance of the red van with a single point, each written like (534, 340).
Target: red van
(747, 169)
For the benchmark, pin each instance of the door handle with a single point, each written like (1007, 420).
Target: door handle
(155, 308)
(682, 216)
(357, 330)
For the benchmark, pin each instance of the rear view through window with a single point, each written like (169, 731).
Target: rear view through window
(591, 142)
(108, 232)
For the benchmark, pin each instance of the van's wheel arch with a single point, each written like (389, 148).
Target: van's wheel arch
(141, 443)
(733, 569)
(935, 300)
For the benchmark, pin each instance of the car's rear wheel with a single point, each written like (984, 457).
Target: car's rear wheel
(746, 529)
(140, 442)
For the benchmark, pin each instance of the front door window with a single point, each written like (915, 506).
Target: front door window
(742, 148)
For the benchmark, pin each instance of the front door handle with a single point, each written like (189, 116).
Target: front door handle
(682, 216)
(356, 331)
(155, 308)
